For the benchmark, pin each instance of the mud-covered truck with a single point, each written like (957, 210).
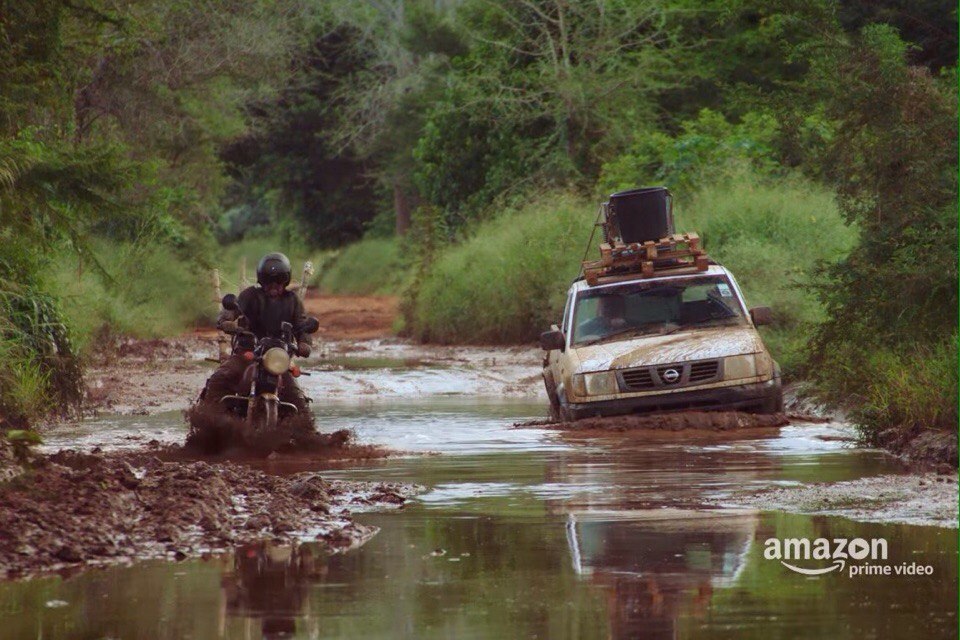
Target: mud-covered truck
(655, 325)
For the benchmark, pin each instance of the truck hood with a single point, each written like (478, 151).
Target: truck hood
(696, 344)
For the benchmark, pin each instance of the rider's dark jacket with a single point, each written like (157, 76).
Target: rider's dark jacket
(265, 314)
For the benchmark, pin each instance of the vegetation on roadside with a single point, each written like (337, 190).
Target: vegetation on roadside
(506, 283)
(112, 117)
(370, 266)
(508, 280)
(888, 344)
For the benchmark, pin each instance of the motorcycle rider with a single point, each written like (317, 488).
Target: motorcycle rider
(264, 308)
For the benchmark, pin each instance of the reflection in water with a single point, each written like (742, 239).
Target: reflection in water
(650, 565)
(271, 582)
(523, 535)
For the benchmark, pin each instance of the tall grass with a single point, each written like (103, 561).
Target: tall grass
(370, 266)
(910, 389)
(23, 384)
(143, 292)
(507, 282)
(771, 234)
(155, 291)
(40, 373)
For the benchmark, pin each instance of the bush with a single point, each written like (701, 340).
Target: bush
(772, 234)
(899, 392)
(506, 283)
(371, 266)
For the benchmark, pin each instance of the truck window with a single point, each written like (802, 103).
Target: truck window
(654, 307)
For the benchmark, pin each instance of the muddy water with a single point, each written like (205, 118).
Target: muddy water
(521, 534)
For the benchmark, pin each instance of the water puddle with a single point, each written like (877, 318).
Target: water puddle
(521, 534)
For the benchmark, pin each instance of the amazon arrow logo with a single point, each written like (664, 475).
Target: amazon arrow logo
(837, 564)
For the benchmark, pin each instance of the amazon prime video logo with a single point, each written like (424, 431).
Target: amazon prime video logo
(856, 557)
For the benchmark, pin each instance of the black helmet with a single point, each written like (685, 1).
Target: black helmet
(273, 267)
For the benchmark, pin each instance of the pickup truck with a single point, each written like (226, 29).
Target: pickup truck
(661, 343)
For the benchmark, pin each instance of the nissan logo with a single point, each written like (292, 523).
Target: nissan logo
(671, 375)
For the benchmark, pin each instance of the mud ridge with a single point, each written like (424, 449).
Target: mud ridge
(73, 508)
(924, 499)
(714, 421)
(925, 448)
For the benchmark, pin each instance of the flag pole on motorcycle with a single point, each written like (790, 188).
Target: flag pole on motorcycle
(223, 343)
(307, 274)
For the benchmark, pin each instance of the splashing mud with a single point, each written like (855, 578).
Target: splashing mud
(215, 431)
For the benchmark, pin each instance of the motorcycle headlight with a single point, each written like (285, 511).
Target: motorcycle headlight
(276, 361)
(737, 367)
(603, 383)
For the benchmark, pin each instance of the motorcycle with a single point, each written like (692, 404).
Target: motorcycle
(260, 407)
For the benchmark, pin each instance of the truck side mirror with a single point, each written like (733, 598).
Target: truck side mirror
(761, 316)
(553, 339)
(229, 302)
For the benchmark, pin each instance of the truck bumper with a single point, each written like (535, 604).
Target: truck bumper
(762, 397)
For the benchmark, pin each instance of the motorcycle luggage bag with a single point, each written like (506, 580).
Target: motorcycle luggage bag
(640, 215)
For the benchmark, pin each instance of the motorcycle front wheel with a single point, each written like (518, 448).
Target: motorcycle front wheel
(263, 433)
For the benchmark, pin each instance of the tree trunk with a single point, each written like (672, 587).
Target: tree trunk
(401, 206)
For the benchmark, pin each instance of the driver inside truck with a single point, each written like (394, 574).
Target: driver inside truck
(611, 317)
(264, 308)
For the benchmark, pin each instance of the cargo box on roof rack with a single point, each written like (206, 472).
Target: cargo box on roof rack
(639, 239)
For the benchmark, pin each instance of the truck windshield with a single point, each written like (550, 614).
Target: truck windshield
(657, 307)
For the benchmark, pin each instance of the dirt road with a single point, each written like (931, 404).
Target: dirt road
(353, 317)
(368, 381)
(152, 501)
(354, 354)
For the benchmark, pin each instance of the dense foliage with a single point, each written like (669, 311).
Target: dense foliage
(142, 132)
(112, 116)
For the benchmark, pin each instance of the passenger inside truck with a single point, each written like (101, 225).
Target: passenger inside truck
(607, 316)
(636, 309)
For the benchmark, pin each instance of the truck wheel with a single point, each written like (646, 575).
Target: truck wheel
(774, 405)
(554, 401)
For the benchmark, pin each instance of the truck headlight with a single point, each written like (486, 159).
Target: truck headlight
(764, 364)
(737, 367)
(603, 383)
(276, 361)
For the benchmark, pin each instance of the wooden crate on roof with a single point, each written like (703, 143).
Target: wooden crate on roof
(677, 253)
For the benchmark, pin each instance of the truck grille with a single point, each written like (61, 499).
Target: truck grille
(647, 378)
(637, 379)
(700, 371)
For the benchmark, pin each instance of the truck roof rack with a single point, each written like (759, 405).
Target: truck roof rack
(673, 255)
(640, 241)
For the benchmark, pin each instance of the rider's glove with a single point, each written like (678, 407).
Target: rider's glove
(303, 349)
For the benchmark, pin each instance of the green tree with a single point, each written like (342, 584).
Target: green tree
(893, 301)
(548, 90)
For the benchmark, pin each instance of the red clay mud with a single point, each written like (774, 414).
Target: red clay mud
(671, 426)
(353, 317)
(73, 508)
